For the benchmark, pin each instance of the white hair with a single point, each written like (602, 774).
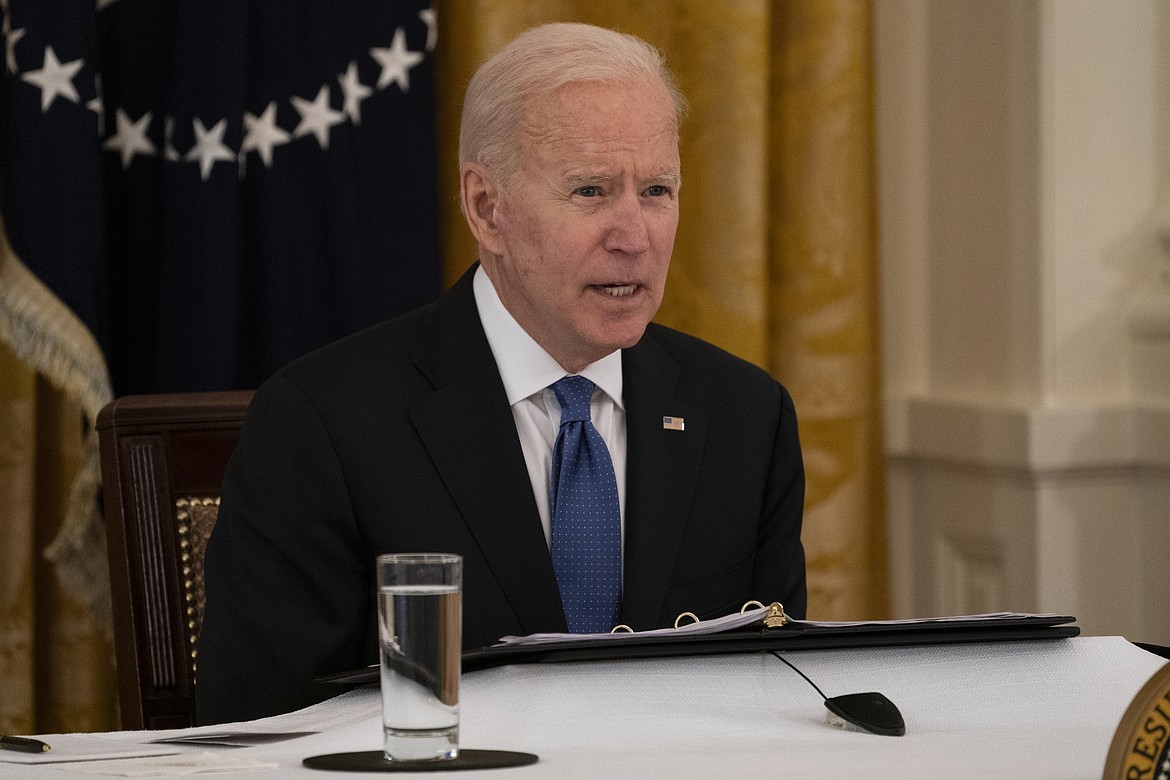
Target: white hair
(536, 64)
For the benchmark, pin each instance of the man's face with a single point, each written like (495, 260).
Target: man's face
(587, 226)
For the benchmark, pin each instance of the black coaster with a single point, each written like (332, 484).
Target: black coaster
(375, 761)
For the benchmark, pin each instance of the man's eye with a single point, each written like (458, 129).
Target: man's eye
(657, 190)
(588, 192)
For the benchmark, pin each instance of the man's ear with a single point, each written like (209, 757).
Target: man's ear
(479, 198)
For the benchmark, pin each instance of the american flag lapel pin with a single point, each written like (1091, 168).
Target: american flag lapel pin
(673, 423)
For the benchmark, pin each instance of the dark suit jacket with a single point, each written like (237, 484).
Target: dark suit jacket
(400, 439)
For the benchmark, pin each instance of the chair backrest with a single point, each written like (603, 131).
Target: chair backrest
(163, 459)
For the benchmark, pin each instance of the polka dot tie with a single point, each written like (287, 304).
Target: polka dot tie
(586, 517)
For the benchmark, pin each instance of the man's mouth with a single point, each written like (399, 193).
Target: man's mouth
(619, 290)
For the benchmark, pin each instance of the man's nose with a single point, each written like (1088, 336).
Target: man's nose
(628, 233)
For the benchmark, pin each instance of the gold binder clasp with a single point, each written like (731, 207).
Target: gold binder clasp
(775, 617)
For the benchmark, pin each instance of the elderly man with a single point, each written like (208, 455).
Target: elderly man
(447, 429)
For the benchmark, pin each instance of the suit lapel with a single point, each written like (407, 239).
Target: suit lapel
(468, 430)
(467, 427)
(662, 467)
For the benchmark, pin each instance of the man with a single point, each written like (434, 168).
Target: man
(439, 431)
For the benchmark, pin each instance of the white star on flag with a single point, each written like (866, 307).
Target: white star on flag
(316, 117)
(396, 62)
(209, 147)
(170, 153)
(130, 139)
(10, 39)
(96, 104)
(354, 91)
(54, 78)
(428, 17)
(261, 134)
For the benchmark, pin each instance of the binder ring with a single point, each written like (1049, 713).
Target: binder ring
(621, 629)
(694, 618)
(752, 603)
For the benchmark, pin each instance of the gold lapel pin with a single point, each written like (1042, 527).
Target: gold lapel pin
(673, 423)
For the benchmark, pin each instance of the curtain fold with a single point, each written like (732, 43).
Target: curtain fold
(824, 291)
(56, 661)
(776, 257)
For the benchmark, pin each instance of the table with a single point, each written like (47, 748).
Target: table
(1028, 709)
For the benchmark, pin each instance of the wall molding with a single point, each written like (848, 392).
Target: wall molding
(1001, 507)
(1043, 442)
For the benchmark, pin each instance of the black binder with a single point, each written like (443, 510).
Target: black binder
(756, 637)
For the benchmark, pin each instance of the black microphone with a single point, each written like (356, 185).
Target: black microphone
(870, 711)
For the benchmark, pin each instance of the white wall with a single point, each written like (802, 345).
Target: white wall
(1024, 198)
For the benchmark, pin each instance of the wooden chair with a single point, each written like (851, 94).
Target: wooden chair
(163, 459)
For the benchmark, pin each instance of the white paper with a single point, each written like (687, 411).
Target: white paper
(747, 618)
(171, 766)
(85, 747)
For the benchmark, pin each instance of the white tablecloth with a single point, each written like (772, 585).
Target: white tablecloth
(997, 710)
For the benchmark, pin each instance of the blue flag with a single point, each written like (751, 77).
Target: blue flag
(217, 187)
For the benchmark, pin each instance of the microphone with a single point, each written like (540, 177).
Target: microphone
(870, 711)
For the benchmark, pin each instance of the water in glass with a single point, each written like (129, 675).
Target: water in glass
(420, 645)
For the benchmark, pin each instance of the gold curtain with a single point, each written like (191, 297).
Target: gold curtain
(775, 258)
(56, 664)
(56, 660)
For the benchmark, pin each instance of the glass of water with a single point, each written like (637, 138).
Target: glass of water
(420, 622)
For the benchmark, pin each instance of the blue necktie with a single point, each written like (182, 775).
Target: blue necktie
(586, 517)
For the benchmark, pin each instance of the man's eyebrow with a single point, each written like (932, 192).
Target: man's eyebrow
(673, 178)
(593, 179)
(587, 179)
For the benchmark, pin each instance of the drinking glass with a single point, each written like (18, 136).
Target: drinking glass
(420, 618)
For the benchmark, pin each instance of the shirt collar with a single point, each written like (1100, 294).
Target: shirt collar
(524, 365)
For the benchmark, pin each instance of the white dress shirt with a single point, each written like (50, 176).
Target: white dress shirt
(527, 371)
